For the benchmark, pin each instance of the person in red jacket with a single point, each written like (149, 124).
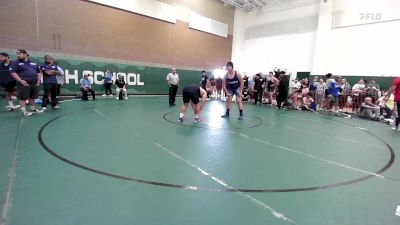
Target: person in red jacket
(396, 90)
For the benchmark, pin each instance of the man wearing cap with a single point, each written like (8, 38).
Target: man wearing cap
(50, 72)
(6, 80)
(27, 74)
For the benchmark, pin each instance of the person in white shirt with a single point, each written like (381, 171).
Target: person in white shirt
(60, 78)
(359, 87)
(173, 82)
(358, 92)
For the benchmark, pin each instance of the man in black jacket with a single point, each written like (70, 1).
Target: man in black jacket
(120, 87)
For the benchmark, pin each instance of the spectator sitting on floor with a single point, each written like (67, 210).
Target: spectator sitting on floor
(86, 86)
(120, 87)
(369, 110)
(308, 103)
(387, 107)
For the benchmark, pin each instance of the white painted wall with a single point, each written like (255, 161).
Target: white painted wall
(208, 25)
(357, 48)
(291, 10)
(238, 40)
(370, 50)
(149, 8)
(357, 12)
(323, 43)
(293, 52)
(353, 45)
(213, 9)
(170, 13)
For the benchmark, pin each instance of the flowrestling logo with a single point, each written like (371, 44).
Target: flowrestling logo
(370, 16)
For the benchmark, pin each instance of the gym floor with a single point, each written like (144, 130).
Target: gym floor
(130, 162)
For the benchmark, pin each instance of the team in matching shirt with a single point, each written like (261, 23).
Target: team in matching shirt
(24, 76)
(7, 81)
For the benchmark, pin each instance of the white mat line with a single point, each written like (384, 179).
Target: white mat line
(255, 201)
(11, 178)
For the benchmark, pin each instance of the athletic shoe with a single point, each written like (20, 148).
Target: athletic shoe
(56, 107)
(126, 98)
(110, 95)
(116, 98)
(197, 120)
(104, 95)
(36, 110)
(389, 121)
(225, 116)
(11, 108)
(180, 119)
(44, 108)
(240, 118)
(25, 113)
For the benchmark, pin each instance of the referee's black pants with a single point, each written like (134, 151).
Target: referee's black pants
(172, 94)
